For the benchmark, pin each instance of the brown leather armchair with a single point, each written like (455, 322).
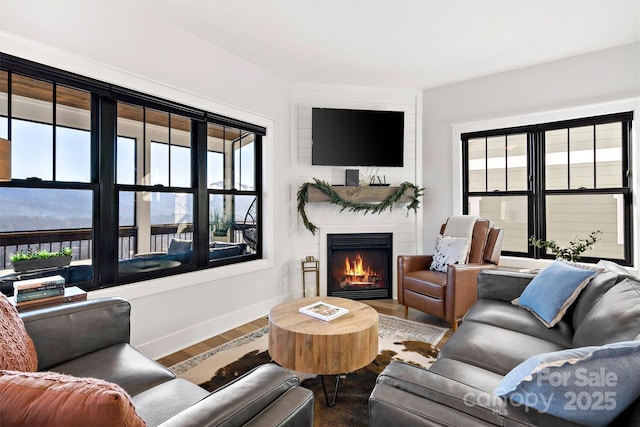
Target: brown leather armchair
(449, 295)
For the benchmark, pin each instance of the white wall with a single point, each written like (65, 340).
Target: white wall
(328, 217)
(108, 41)
(558, 86)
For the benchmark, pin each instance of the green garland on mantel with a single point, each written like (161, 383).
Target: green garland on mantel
(303, 199)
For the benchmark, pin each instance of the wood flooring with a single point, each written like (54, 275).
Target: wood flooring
(384, 306)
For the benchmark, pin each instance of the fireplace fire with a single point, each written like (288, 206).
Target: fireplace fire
(359, 265)
(355, 274)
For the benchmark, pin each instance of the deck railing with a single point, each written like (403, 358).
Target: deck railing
(81, 242)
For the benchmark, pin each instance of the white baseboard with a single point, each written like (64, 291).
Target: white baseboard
(194, 334)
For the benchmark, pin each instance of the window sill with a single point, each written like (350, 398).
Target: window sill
(169, 283)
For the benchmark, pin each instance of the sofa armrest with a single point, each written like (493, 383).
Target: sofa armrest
(68, 331)
(268, 392)
(464, 400)
(502, 285)
(407, 263)
(389, 406)
(442, 390)
(294, 408)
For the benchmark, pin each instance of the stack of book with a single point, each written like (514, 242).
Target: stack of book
(36, 291)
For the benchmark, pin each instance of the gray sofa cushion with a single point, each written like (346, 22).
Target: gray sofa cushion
(471, 375)
(515, 318)
(615, 317)
(121, 364)
(612, 274)
(590, 295)
(69, 331)
(616, 268)
(492, 348)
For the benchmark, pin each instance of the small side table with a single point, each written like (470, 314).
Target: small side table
(71, 294)
(310, 265)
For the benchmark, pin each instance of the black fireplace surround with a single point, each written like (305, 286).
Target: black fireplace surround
(359, 265)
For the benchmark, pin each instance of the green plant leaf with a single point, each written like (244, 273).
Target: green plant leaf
(303, 199)
(571, 253)
(31, 254)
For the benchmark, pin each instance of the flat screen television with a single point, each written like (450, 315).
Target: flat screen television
(344, 137)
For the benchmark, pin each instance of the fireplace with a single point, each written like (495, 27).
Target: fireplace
(359, 265)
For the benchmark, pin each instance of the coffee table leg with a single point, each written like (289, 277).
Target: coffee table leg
(335, 391)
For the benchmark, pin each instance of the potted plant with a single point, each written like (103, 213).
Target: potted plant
(37, 260)
(573, 251)
(219, 223)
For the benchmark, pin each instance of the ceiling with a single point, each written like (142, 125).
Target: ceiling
(403, 43)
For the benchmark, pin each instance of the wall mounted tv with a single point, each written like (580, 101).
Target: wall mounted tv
(357, 137)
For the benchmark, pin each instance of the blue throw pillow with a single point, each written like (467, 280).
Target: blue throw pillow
(554, 289)
(587, 385)
(179, 246)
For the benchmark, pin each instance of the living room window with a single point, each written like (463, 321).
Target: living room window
(233, 195)
(48, 205)
(555, 181)
(139, 187)
(155, 195)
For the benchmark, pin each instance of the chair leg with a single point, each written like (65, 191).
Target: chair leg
(455, 324)
(406, 311)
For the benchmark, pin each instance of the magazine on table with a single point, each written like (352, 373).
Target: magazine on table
(323, 310)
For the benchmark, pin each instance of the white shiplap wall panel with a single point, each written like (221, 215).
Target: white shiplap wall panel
(329, 218)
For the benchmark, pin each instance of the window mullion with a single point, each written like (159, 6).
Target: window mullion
(201, 194)
(465, 178)
(595, 159)
(258, 182)
(169, 150)
(146, 170)
(9, 102)
(506, 164)
(568, 158)
(537, 221)
(626, 150)
(53, 130)
(486, 164)
(106, 242)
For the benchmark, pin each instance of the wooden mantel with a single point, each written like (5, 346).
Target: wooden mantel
(361, 194)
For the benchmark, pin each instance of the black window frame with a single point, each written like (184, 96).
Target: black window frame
(536, 192)
(232, 191)
(103, 184)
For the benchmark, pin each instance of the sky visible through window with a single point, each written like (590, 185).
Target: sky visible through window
(49, 209)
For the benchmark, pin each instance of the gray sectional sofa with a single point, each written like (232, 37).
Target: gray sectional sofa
(460, 388)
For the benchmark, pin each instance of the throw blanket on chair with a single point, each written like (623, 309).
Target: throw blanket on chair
(460, 226)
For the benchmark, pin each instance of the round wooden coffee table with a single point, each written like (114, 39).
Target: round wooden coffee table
(306, 344)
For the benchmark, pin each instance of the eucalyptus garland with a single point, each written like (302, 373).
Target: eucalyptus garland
(303, 199)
